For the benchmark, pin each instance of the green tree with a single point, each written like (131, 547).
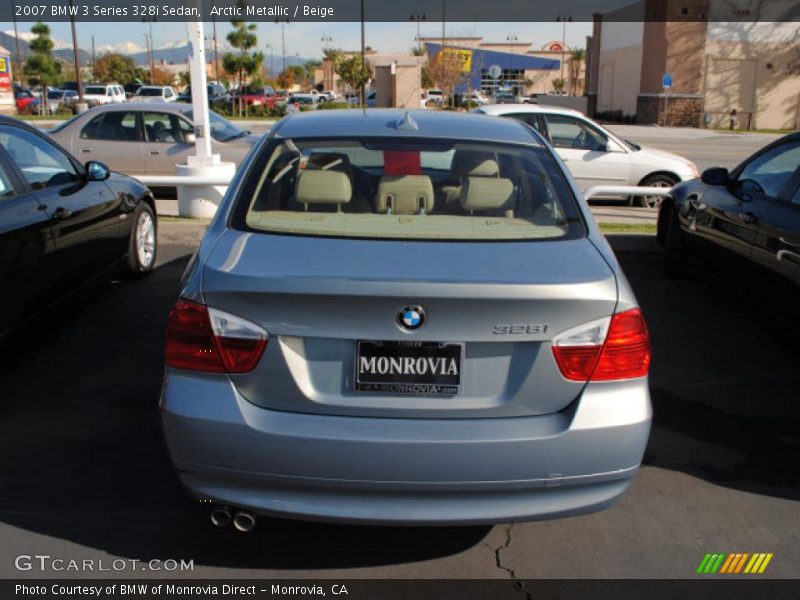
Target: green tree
(244, 64)
(41, 68)
(115, 68)
(353, 72)
(558, 84)
(576, 58)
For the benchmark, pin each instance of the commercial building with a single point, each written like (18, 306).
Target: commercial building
(718, 63)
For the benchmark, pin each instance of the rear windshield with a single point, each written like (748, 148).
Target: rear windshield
(408, 189)
(96, 91)
(149, 92)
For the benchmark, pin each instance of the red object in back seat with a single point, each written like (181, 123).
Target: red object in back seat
(402, 162)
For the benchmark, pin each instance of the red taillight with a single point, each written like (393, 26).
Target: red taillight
(203, 339)
(605, 350)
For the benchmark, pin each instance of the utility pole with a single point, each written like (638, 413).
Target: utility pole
(94, 60)
(563, 19)
(268, 46)
(147, 43)
(75, 56)
(418, 16)
(149, 21)
(19, 56)
(363, 59)
(216, 55)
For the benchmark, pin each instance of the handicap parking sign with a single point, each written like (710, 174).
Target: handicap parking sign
(666, 81)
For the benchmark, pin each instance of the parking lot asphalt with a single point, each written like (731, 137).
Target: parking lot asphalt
(86, 476)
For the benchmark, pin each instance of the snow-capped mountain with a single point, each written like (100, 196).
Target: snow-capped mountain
(28, 37)
(121, 48)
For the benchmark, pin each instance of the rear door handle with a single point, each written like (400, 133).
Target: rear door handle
(85, 151)
(154, 152)
(748, 218)
(62, 213)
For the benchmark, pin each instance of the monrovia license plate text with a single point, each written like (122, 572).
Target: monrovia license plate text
(418, 368)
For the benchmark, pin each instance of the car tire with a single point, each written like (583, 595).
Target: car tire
(142, 245)
(660, 180)
(675, 246)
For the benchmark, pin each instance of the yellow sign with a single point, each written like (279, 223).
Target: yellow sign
(463, 56)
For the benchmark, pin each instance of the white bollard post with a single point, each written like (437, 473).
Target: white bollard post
(201, 201)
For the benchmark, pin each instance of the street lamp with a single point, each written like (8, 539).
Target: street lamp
(149, 21)
(268, 46)
(326, 41)
(512, 38)
(563, 19)
(283, 23)
(418, 17)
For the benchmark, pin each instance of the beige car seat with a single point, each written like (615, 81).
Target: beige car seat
(405, 195)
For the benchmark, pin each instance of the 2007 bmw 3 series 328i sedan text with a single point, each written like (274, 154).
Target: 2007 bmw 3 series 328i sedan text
(405, 318)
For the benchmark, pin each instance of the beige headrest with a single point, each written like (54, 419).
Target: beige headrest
(323, 187)
(468, 163)
(405, 194)
(487, 193)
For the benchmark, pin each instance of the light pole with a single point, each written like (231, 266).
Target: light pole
(149, 21)
(19, 56)
(326, 41)
(216, 55)
(283, 23)
(563, 19)
(418, 16)
(75, 56)
(148, 44)
(268, 46)
(512, 38)
(363, 59)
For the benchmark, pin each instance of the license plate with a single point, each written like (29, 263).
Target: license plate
(415, 368)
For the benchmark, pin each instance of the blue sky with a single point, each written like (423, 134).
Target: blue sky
(305, 38)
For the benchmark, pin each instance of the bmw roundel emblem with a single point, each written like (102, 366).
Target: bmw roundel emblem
(411, 317)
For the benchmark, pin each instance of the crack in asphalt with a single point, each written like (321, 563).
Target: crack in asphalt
(518, 585)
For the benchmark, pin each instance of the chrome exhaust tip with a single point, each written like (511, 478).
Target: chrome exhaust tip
(244, 521)
(221, 517)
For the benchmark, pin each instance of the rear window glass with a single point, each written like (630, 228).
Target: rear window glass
(408, 189)
(149, 91)
(97, 91)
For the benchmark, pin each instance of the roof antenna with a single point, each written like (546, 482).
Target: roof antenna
(407, 123)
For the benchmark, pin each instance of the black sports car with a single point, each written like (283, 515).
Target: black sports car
(63, 223)
(745, 223)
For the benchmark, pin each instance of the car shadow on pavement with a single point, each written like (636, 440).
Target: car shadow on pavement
(724, 383)
(83, 458)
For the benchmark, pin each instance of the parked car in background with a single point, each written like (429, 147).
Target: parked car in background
(744, 224)
(405, 318)
(63, 223)
(297, 102)
(254, 96)
(508, 97)
(61, 99)
(155, 93)
(147, 139)
(596, 156)
(216, 94)
(103, 94)
(372, 99)
(433, 98)
(324, 96)
(25, 101)
(131, 89)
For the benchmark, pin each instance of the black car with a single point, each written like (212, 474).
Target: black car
(745, 221)
(216, 93)
(63, 223)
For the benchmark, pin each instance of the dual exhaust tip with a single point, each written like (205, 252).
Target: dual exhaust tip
(243, 520)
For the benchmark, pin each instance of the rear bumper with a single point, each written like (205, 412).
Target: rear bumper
(404, 471)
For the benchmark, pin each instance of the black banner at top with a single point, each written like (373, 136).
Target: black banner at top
(393, 11)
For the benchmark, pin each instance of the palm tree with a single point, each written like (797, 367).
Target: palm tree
(576, 58)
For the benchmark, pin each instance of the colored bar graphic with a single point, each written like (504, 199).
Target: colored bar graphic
(734, 563)
(765, 563)
(703, 563)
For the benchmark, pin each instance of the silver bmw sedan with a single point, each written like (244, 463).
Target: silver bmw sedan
(404, 318)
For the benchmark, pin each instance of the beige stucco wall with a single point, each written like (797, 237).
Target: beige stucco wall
(761, 78)
(619, 66)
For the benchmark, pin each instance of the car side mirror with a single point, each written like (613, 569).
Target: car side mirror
(97, 171)
(190, 138)
(715, 176)
(611, 146)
